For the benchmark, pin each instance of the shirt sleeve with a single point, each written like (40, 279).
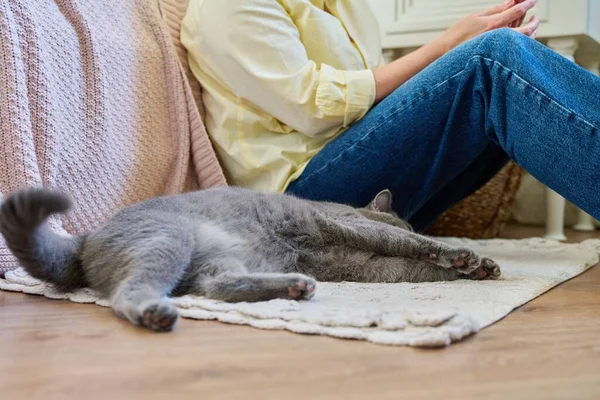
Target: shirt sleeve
(254, 49)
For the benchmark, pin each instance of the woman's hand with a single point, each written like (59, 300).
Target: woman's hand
(508, 15)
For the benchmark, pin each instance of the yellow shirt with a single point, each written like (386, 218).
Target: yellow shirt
(280, 79)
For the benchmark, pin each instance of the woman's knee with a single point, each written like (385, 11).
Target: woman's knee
(500, 43)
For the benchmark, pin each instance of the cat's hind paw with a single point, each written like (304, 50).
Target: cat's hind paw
(486, 271)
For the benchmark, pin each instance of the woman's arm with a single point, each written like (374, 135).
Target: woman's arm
(510, 14)
(255, 50)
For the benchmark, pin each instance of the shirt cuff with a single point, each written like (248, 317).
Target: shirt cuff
(347, 94)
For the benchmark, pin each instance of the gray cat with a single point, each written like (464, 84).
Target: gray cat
(229, 244)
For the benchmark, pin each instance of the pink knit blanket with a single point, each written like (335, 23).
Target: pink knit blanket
(95, 101)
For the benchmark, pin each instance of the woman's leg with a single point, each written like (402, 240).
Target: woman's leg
(445, 132)
(477, 174)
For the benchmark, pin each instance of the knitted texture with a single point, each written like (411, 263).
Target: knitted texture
(94, 101)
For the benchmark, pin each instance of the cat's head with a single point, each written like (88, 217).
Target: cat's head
(380, 209)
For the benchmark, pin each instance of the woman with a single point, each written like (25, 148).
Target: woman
(298, 101)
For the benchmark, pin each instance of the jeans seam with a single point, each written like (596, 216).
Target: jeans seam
(565, 109)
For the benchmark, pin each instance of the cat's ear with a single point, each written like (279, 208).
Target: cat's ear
(382, 202)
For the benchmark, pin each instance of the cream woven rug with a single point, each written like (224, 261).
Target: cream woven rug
(424, 314)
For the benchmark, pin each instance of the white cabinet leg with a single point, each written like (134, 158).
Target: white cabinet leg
(555, 215)
(555, 203)
(585, 222)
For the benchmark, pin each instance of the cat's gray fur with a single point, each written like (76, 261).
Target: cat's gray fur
(228, 244)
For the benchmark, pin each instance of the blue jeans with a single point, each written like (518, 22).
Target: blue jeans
(447, 131)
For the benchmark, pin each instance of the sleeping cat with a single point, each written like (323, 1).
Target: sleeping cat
(229, 244)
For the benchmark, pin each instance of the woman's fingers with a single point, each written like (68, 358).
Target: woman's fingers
(519, 22)
(531, 28)
(514, 13)
(506, 15)
(498, 9)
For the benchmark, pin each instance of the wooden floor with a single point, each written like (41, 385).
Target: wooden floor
(548, 349)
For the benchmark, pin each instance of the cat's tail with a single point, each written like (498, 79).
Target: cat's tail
(43, 253)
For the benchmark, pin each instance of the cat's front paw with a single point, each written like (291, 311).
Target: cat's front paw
(463, 259)
(301, 288)
(159, 315)
(487, 270)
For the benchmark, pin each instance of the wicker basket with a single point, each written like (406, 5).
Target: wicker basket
(484, 214)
